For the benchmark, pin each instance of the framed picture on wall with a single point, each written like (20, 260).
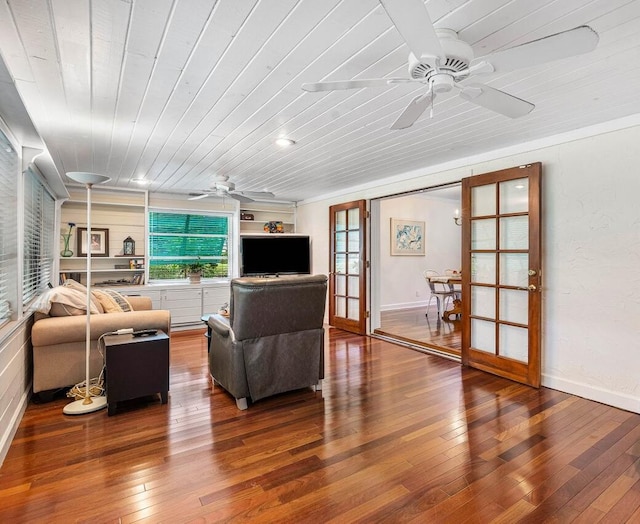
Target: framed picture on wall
(407, 237)
(99, 242)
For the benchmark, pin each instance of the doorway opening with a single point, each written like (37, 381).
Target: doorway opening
(405, 306)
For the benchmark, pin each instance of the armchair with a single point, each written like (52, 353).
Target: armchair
(273, 339)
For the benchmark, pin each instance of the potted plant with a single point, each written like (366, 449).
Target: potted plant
(194, 271)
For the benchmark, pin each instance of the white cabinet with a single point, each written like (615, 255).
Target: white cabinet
(189, 303)
(263, 213)
(213, 298)
(118, 214)
(185, 304)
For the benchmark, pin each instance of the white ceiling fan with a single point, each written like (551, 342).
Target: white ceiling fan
(439, 59)
(221, 187)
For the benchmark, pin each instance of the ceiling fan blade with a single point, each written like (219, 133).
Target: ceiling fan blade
(255, 194)
(573, 42)
(413, 22)
(240, 198)
(353, 84)
(496, 100)
(413, 111)
(197, 196)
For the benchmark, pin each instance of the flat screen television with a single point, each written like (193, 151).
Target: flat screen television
(275, 255)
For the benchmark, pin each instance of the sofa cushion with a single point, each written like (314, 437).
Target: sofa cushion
(112, 301)
(58, 309)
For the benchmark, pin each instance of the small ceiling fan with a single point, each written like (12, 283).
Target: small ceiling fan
(221, 187)
(439, 59)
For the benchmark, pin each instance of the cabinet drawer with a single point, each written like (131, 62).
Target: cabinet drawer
(186, 315)
(213, 298)
(177, 296)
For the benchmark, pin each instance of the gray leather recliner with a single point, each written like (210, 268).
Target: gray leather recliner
(273, 340)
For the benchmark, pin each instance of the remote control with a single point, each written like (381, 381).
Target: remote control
(144, 332)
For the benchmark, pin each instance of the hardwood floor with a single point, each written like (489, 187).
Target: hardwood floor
(412, 325)
(395, 436)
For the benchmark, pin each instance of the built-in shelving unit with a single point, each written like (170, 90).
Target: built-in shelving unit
(123, 214)
(264, 213)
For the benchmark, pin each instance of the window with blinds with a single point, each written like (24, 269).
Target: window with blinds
(9, 176)
(177, 240)
(39, 237)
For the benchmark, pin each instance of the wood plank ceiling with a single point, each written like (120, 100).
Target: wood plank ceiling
(178, 90)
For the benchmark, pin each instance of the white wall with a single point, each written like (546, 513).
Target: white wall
(15, 380)
(404, 285)
(591, 256)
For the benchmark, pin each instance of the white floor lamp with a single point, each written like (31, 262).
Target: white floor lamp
(88, 404)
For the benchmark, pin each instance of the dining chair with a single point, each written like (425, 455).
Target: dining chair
(439, 290)
(456, 287)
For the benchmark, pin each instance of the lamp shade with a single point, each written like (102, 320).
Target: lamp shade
(88, 178)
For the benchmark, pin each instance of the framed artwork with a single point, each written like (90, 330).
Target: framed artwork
(407, 237)
(99, 242)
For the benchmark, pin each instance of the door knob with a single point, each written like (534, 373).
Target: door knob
(532, 287)
(532, 273)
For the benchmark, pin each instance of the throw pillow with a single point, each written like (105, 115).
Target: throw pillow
(65, 301)
(112, 301)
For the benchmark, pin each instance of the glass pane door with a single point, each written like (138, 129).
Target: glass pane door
(501, 270)
(347, 275)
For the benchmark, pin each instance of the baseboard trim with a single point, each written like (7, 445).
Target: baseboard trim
(403, 305)
(604, 396)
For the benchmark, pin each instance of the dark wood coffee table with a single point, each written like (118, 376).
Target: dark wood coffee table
(136, 367)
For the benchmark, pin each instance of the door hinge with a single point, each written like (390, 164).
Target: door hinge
(367, 214)
(367, 314)
(367, 264)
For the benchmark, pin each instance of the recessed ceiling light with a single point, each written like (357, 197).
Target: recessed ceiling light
(284, 142)
(141, 181)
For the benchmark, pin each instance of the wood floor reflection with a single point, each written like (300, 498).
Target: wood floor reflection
(413, 325)
(395, 435)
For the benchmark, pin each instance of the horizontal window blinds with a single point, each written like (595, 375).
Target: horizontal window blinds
(39, 237)
(180, 238)
(9, 176)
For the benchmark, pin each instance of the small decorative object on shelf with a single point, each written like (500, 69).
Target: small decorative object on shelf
(136, 263)
(224, 310)
(66, 237)
(274, 226)
(129, 246)
(246, 216)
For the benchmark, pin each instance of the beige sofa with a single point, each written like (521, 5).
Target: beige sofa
(59, 342)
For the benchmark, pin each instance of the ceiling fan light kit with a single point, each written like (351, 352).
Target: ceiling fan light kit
(441, 61)
(224, 188)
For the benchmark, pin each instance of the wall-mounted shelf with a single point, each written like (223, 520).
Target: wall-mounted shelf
(123, 214)
(267, 212)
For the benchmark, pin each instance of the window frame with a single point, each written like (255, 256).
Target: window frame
(229, 216)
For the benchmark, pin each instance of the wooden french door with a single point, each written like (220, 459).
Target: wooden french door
(501, 268)
(347, 276)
